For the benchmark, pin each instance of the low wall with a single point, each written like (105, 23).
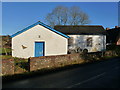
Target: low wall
(36, 63)
(8, 66)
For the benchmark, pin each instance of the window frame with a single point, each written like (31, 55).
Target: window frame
(89, 41)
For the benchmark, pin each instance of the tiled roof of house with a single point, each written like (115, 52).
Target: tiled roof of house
(80, 29)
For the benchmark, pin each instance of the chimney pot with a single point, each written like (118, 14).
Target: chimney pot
(107, 28)
(116, 27)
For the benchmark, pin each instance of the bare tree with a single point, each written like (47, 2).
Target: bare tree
(84, 18)
(58, 16)
(67, 16)
(77, 16)
(74, 14)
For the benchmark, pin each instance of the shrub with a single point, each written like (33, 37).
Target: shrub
(113, 50)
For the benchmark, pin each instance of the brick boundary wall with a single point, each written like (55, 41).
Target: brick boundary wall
(7, 66)
(37, 63)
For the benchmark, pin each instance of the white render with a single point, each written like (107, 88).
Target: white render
(99, 42)
(55, 44)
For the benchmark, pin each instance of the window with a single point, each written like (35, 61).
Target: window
(89, 42)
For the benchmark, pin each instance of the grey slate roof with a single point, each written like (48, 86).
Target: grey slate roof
(81, 29)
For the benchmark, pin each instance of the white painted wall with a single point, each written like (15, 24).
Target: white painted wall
(55, 44)
(80, 41)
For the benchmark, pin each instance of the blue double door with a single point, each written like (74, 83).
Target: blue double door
(39, 49)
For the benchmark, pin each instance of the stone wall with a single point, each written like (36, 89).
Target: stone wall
(37, 63)
(8, 66)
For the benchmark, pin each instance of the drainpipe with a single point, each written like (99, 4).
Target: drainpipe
(103, 47)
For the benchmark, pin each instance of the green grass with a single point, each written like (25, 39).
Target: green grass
(2, 50)
(6, 56)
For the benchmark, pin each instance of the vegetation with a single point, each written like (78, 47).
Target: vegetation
(5, 45)
(5, 41)
(21, 65)
(113, 49)
(5, 50)
(6, 56)
(62, 15)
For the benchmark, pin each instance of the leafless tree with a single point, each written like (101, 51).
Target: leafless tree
(58, 16)
(77, 16)
(67, 16)
(74, 14)
(84, 18)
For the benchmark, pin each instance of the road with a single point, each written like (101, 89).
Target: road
(96, 75)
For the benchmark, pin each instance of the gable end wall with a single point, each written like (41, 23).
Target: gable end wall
(55, 44)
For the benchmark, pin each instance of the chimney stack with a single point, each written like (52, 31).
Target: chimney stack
(116, 27)
(107, 28)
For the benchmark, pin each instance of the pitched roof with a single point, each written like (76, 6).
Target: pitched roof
(80, 29)
(113, 35)
(42, 24)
